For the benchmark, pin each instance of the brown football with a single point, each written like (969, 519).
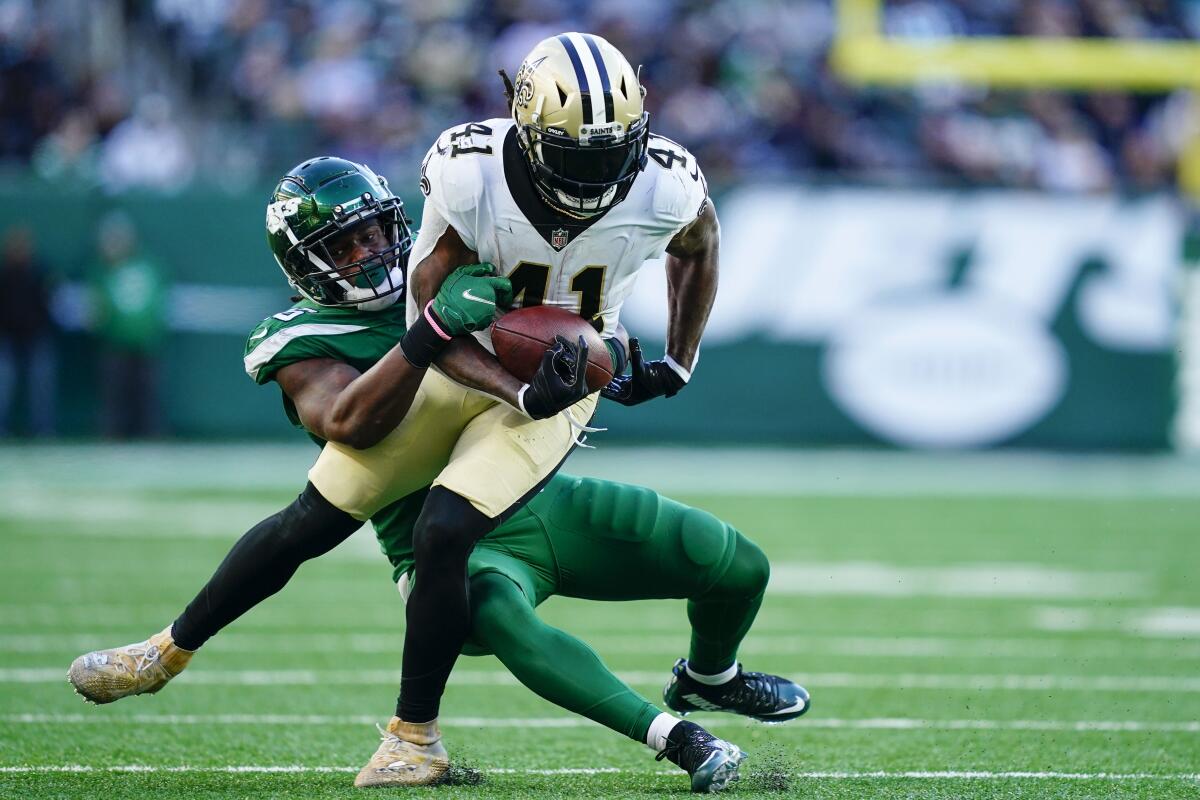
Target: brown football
(520, 339)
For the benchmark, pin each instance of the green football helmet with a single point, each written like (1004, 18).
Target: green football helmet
(318, 200)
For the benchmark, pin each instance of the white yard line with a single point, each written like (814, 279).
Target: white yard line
(1076, 726)
(1005, 580)
(852, 680)
(880, 775)
(1002, 581)
(1168, 622)
(885, 645)
(879, 724)
(657, 643)
(685, 470)
(131, 515)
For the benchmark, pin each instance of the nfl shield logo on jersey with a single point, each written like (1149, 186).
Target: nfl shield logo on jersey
(558, 238)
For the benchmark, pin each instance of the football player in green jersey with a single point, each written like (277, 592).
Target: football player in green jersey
(572, 539)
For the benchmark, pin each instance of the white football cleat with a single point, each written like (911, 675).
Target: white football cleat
(103, 676)
(412, 754)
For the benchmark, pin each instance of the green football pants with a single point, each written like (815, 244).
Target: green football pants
(600, 540)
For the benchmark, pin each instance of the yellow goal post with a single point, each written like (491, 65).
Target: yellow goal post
(862, 54)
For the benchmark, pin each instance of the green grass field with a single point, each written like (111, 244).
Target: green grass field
(984, 632)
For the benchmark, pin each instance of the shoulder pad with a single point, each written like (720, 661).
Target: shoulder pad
(453, 185)
(452, 173)
(293, 335)
(680, 190)
(295, 315)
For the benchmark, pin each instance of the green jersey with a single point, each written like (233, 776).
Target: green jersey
(307, 330)
(358, 338)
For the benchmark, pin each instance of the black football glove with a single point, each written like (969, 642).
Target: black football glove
(648, 380)
(559, 383)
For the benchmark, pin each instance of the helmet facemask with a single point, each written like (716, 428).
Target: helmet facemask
(581, 123)
(588, 175)
(368, 284)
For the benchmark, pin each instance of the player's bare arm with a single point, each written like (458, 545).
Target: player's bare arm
(428, 274)
(464, 360)
(467, 362)
(339, 404)
(692, 267)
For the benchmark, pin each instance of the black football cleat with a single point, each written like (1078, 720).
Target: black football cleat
(764, 697)
(712, 763)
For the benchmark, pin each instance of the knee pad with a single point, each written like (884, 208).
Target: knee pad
(707, 541)
(750, 570)
(607, 510)
(498, 613)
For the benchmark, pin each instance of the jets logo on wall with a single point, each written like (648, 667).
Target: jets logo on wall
(558, 238)
(960, 320)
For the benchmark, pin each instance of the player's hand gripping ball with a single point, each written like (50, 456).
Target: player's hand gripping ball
(522, 337)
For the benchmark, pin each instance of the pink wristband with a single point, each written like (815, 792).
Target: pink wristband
(433, 321)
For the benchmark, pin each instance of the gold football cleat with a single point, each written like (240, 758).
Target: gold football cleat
(412, 754)
(103, 676)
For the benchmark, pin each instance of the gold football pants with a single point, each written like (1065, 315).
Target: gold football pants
(477, 447)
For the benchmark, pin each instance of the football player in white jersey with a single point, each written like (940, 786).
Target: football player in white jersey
(568, 198)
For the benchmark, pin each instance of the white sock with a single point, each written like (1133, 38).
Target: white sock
(713, 680)
(656, 737)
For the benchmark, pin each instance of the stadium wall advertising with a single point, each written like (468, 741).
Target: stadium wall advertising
(935, 319)
(845, 316)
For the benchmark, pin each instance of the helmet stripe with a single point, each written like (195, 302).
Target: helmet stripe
(591, 69)
(585, 89)
(609, 114)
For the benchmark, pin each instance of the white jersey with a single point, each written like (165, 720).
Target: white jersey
(475, 180)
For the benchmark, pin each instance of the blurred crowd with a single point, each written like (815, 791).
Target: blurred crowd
(125, 302)
(155, 94)
(160, 92)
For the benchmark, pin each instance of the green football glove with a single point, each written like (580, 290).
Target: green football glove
(470, 298)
